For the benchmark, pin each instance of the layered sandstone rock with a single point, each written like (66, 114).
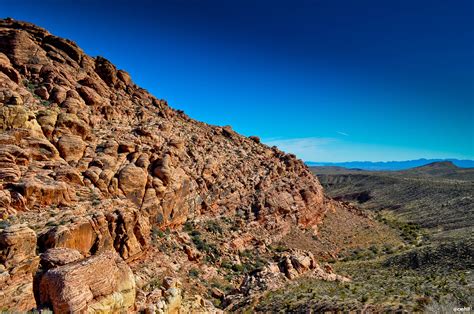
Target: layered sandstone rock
(102, 283)
(18, 264)
(170, 166)
(123, 230)
(96, 163)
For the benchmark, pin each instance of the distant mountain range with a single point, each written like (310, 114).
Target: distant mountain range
(436, 196)
(391, 165)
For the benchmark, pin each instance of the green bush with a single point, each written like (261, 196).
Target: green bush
(193, 273)
(214, 227)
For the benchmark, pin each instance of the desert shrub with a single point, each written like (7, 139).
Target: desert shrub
(211, 250)
(239, 268)
(214, 227)
(256, 139)
(4, 224)
(154, 284)
(226, 264)
(374, 249)
(441, 306)
(193, 272)
(279, 248)
(188, 227)
(156, 233)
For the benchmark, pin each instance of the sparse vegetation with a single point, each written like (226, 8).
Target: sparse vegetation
(430, 271)
(4, 224)
(29, 85)
(155, 283)
(156, 233)
(411, 232)
(214, 227)
(374, 286)
(210, 249)
(440, 201)
(194, 273)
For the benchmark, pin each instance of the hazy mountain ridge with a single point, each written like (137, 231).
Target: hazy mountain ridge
(390, 165)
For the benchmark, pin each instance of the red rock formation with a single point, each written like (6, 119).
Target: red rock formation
(77, 135)
(18, 264)
(103, 283)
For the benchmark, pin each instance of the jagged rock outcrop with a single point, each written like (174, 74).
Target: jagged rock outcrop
(297, 262)
(78, 111)
(168, 299)
(96, 163)
(123, 230)
(291, 265)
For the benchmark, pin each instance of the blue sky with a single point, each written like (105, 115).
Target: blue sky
(328, 80)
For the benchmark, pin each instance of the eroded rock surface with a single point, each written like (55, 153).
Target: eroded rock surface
(125, 142)
(95, 164)
(103, 282)
(291, 265)
(18, 264)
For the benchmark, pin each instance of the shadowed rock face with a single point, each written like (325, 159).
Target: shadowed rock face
(78, 135)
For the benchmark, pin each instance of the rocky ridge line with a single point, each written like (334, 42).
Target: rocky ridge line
(91, 163)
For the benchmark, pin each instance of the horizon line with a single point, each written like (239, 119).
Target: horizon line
(381, 161)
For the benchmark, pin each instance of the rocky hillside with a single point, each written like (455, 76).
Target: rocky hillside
(96, 174)
(430, 270)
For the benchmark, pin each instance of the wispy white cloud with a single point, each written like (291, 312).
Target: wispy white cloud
(338, 150)
(342, 133)
(305, 148)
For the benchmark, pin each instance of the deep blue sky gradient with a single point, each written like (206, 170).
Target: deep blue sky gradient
(329, 80)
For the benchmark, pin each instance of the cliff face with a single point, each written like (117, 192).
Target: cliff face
(92, 163)
(71, 121)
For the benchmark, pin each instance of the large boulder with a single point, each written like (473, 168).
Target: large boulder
(297, 262)
(87, 235)
(90, 96)
(125, 230)
(40, 189)
(58, 257)
(101, 283)
(132, 181)
(71, 147)
(12, 158)
(12, 117)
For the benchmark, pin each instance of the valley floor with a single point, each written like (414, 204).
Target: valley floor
(429, 268)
